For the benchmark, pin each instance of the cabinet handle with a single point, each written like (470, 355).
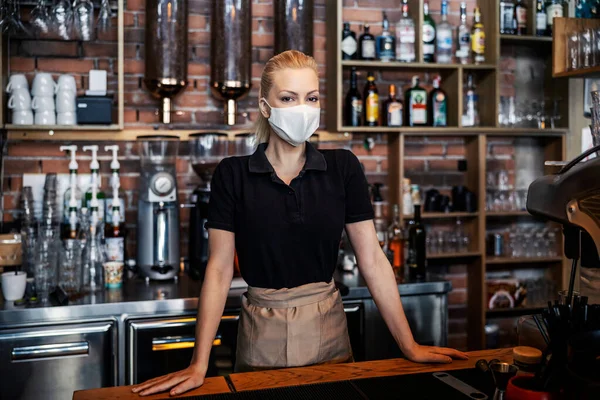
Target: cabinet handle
(50, 351)
(351, 309)
(178, 342)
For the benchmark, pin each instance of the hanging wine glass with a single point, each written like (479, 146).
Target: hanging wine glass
(104, 17)
(40, 18)
(83, 14)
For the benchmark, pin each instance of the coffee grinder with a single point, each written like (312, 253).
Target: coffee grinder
(158, 208)
(206, 150)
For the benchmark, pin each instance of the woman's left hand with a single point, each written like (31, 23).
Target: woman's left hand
(431, 354)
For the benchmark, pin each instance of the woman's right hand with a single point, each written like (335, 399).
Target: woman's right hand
(180, 381)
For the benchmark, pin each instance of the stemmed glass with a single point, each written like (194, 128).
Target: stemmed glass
(83, 14)
(62, 17)
(11, 24)
(104, 17)
(40, 18)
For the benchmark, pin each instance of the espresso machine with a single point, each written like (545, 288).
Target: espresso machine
(158, 209)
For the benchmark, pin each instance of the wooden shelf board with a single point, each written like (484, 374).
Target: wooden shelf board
(534, 40)
(402, 65)
(470, 131)
(512, 312)
(62, 128)
(443, 256)
(522, 260)
(579, 73)
(442, 215)
(501, 214)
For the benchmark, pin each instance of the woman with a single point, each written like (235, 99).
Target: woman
(283, 209)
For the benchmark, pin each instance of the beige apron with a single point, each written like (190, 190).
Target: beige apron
(281, 328)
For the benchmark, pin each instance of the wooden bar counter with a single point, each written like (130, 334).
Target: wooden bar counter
(302, 376)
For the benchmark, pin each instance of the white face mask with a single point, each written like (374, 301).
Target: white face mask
(294, 124)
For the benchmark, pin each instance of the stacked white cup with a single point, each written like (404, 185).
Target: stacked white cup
(66, 92)
(19, 100)
(43, 89)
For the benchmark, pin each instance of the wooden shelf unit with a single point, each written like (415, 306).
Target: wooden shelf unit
(553, 141)
(522, 260)
(562, 27)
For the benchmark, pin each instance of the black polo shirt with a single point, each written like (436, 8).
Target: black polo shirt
(287, 236)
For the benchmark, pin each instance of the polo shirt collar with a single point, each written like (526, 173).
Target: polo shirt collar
(259, 163)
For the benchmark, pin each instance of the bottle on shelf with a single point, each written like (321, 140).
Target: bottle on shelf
(380, 221)
(407, 204)
(415, 194)
(71, 199)
(386, 42)
(417, 239)
(349, 45)
(438, 104)
(541, 18)
(415, 101)
(95, 183)
(521, 17)
(371, 102)
(478, 38)
(353, 112)
(554, 9)
(93, 254)
(366, 45)
(405, 32)
(463, 40)
(114, 228)
(444, 37)
(507, 17)
(395, 239)
(393, 109)
(429, 33)
(471, 104)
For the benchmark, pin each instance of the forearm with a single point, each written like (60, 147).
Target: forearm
(211, 304)
(382, 284)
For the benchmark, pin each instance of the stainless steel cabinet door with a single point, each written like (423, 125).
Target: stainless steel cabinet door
(51, 362)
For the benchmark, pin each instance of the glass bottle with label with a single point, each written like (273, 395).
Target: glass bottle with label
(463, 51)
(366, 45)
(396, 242)
(444, 37)
(478, 38)
(415, 101)
(521, 17)
(428, 35)
(417, 239)
(554, 9)
(386, 42)
(438, 105)
(405, 32)
(471, 104)
(541, 18)
(393, 109)
(371, 102)
(353, 108)
(114, 228)
(349, 44)
(507, 16)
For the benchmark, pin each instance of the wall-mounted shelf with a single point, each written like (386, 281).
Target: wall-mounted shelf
(562, 27)
(512, 312)
(63, 128)
(442, 215)
(443, 256)
(505, 214)
(522, 260)
(461, 131)
(531, 39)
(412, 66)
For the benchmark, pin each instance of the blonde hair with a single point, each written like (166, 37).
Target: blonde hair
(288, 59)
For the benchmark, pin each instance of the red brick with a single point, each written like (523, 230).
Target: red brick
(33, 149)
(508, 64)
(129, 182)
(361, 16)
(455, 150)
(100, 50)
(13, 183)
(148, 116)
(139, 98)
(62, 65)
(262, 10)
(424, 150)
(130, 51)
(130, 116)
(111, 35)
(262, 26)
(199, 6)
(457, 296)
(181, 116)
(129, 18)
(191, 100)
(134, 67)
(22, 64)
(458, 281)
(209, 117)
(262, 40)
(199, 37)
(502, 150)
(443, 165)
(197, 21)
(136, 5)
(458, 341)
(378, 150)
(43, 48)
(414, 165)
(379, 3)
(370, 165)
(17, 167)
(198, 69)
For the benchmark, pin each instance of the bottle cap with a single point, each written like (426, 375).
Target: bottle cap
(73, 163)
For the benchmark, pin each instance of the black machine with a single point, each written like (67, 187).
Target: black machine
(572, 328)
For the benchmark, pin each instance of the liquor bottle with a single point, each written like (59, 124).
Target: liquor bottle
(395, 238)
(386, 42)
(463, 40)
(366, 45)
(521, 17)
(417, 238)
(114, 228)
(438, 105)
(541, 18)
(428, 35)
(471, 104)
(555, 8)
(371, 102)
(415, 101)
(379, 220)
(354, 104)
(478, 38)
(405, 42)
(349, 44)
(392, 109)
(444, 37)
(507, 16)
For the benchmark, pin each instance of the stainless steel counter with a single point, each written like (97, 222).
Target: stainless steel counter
(173, 297)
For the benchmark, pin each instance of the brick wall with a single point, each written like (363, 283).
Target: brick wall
(429, 162)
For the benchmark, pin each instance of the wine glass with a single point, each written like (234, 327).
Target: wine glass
(62, 19)
(104, 17)
(40, 18)
(83, 14)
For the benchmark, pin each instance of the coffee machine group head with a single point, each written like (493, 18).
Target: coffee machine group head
(158, 209)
